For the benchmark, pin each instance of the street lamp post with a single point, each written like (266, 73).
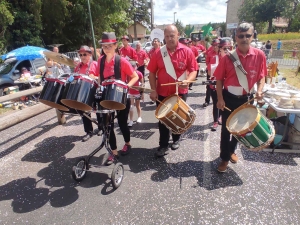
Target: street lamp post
(174, 16)
(92, 28)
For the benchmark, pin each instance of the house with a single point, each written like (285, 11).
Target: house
(140, 30)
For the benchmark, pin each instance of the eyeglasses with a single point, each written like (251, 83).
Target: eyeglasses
(226, 49)
(241, 36)
(82, 55)
(107, 46)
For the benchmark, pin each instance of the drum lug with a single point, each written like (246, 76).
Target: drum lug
(54, 84)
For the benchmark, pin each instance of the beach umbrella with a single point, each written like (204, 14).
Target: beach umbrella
(25, 53)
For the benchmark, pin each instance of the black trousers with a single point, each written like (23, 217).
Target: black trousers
(88, 125)
(164, 132)
(142, 69)
(208, 90)
(122, 116)
(228, 143)
(214, 97)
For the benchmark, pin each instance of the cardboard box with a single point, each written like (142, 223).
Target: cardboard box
(11, 90)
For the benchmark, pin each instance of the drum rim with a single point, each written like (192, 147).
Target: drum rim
(252, 125)
(114, 81)
(159, 106)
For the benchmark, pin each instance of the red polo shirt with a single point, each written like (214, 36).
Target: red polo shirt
(126, 69)
(141, 56)
(152, 51)
(194, 50)
(209, 49)
(182, 59)
(254, 63)
(201, 48)
(211, 59)
(83, 68)
(128, 51)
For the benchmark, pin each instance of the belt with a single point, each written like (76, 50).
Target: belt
(236, 96)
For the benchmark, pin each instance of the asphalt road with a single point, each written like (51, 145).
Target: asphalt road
(36, 187)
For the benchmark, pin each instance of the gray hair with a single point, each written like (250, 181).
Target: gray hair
(244, 27)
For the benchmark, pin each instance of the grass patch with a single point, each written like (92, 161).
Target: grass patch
(281, 36)
(291, 77)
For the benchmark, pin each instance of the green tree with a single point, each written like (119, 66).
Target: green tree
(25, 30)
(188, 30)
(6, 19)
(180, 27)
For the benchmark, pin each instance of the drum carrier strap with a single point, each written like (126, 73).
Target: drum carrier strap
(117, 68)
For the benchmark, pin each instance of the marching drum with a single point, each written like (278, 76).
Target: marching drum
(114, 95)
(250, 127)
(175, 114)
(79, 92)
(52, 93)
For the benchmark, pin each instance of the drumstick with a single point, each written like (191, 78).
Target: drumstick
(177, 83)
(227, 108)
(253, 98)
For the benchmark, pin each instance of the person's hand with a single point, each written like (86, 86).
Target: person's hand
(184, 84)
(153, 96)
(92, 76)
(259, 96)
(221, 104)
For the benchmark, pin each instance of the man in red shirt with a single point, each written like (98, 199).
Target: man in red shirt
(183, 61)
(156, 46)
(196, 54)
(106, 70)
(142, 58)
(231, 93)
(87, 67)
(127, 51)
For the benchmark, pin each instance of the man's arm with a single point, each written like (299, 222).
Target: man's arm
(220, 103)
(260, 86)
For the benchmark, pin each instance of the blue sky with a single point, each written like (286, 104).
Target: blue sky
(189, 11)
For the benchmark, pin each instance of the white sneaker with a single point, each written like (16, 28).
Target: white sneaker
(139, 120)
(130, 123)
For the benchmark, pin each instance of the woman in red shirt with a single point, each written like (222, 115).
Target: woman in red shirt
(109, 46)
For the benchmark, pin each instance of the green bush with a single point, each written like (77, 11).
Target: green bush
(281, 36)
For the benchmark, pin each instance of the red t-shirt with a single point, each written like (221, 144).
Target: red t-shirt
(133, 91)
(83, 68)
(211, 59)
(126, 68)
(182, 59)
(254, 63)
(128, 51)
(194, 50)
(141, 56)
(209, 49)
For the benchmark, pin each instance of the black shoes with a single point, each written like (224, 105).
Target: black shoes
(87, 137)
(162, 151)
(205, 104)
(175, 145)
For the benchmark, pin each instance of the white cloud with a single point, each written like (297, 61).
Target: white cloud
(189, 11)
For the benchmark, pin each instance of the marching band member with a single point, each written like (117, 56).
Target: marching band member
(142, 58)
(210, 55)
(135, 97)
(196, 54)
(234, 86)
(127, 51)
(155, 45)
(106, 70)
(170, 65)
(87, 67)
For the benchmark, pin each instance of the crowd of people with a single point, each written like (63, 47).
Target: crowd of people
(177, 61)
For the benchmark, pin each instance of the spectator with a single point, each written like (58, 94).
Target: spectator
(279, 44)
(268, 48)
(25, 73)
(255, 34)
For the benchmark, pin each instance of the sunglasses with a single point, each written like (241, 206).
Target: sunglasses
(82, 55)
(226, 49)
(107, 46)
(241, 36)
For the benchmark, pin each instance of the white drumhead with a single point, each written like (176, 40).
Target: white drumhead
(242, 119)
(166, 107)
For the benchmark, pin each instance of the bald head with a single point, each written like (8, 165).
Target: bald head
(171, 36)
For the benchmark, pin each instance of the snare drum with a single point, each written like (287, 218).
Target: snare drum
(52, 93)
(114, 95)
(250, 127)
(175, 114)
(80, 93)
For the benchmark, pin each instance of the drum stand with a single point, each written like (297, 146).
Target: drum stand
(82, 165)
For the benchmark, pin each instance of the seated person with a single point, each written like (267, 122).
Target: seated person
(25, 73)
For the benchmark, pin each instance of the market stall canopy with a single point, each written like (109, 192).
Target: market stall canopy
(25, 53)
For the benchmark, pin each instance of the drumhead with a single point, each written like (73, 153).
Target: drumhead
(166, 106)
(242, 119)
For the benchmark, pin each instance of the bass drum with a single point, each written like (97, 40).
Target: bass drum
(79, 92)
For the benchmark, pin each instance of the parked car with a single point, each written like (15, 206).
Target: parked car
(147, 46)
(10, 70)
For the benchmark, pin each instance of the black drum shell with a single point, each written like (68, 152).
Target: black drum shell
(114, 97)
(79, 94)
(52, 93)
